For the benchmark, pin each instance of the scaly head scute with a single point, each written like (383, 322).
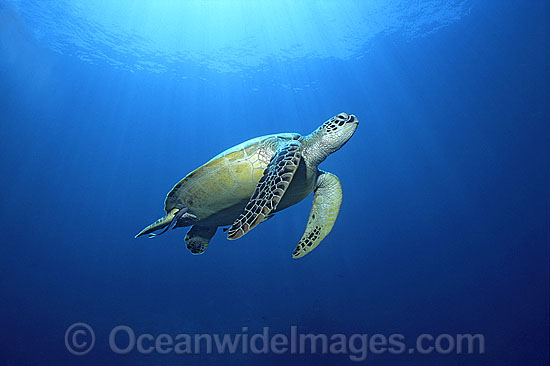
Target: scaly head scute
(338, 130)
(331, 136)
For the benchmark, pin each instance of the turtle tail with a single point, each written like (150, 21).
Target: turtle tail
(162, 223)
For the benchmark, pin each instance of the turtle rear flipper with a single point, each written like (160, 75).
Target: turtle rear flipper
(326, 205)
(198, 237)
(163, 223)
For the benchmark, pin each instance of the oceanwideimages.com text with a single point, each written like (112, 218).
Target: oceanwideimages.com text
(80, 339)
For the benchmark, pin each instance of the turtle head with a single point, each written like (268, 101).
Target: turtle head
(338, 130)
(331, 136)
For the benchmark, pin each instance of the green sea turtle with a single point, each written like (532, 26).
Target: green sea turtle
(247, 184)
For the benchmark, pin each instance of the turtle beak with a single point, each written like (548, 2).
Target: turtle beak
(351, 124)
(352, 119)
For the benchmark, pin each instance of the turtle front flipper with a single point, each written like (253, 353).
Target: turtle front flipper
(326, 205)
(198, 237)
(270, 189)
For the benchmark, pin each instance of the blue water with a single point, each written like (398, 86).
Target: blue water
(444, 227)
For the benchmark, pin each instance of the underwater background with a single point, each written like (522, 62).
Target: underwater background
(444, 227)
